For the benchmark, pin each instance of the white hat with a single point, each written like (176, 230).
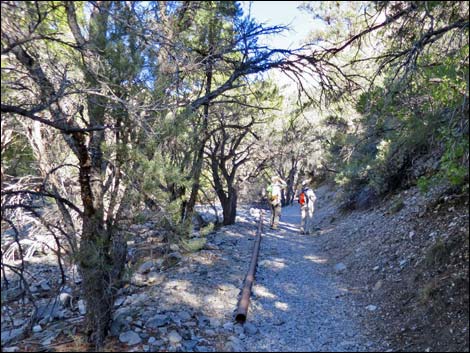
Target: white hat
(304, 183)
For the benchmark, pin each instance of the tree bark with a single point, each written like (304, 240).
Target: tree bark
(229, 207)
(199, 159)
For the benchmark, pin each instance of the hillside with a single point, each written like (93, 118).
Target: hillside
(407, 260)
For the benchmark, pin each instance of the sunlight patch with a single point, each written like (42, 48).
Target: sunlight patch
(262, 291)
(316, 259)
(276, 264)
(281, 306)
(178, 292)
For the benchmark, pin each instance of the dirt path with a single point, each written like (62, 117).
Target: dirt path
(297, 305)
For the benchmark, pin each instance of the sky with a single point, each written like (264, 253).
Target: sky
(281, 13)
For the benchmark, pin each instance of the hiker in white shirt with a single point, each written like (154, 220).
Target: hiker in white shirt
(307, 205)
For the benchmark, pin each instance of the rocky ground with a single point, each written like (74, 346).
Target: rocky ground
(391, 278)
(407, 260)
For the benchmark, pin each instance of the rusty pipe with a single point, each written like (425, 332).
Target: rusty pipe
(242, 310)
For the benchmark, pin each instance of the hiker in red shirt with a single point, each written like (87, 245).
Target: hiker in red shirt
(307, 202)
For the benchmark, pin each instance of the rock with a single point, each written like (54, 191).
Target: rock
(184, 316)
(48, 312)
(45, 286)
(174, 247)
(339, 267)
(10, 335)
(145, 267)
(48, 340)
(138, 279)
(174, 337)
(119, 325)
(228, 326)
(156, 278)
(250, 329)
(11, 349)
(378, 285)
(190, 323)
(138, 298)
(233, 347)
(130, 337)
(65, 300)
(157, 321)
(210, 333)
(189, 344)
(37, 328)
(18, 322)
(371, 307)
(202, 321)
(234, 344)
(238, 329)
(205, 215)
(119, 301)
(82, 307)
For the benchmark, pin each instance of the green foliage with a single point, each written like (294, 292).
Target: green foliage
(155, 176)
(453, 166)
(193, 245)
(401, 125)
(424, 183)
(409, 113)
(18, 159)
(207, 229)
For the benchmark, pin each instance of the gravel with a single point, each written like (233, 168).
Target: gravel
(296, 304)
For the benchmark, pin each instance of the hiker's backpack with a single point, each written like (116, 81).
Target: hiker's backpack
(302, 198)
(273, 194)
(269, 192)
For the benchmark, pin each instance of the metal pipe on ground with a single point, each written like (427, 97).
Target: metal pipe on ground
(244, 302)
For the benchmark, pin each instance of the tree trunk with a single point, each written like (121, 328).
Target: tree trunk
(290, 183)
(199, 159)
(95, 265)
(229, 207)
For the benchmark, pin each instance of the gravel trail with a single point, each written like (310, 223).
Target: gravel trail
(296, 303)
